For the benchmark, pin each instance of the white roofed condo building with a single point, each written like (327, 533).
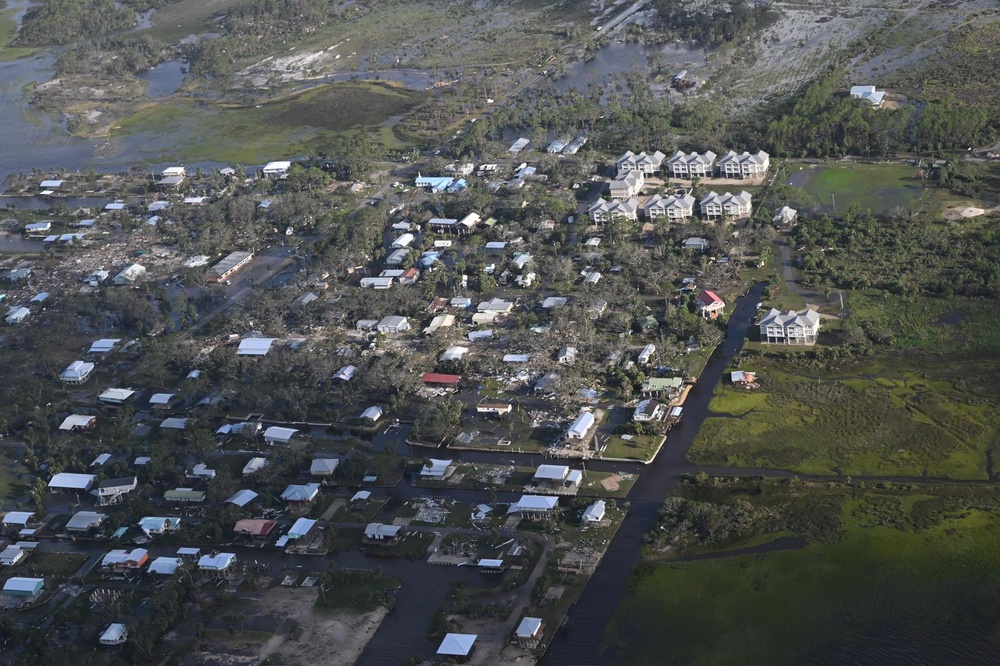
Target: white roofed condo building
(715, 206)
(673, 207)
(789, 328)
(643, 163)
(745, 165)
(627, 185)
(603, 211)
(691, 165)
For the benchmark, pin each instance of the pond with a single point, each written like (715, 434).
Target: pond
(165, 79)
(621, 58)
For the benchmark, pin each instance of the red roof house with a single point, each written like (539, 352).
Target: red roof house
(709, 304)
(437, 379)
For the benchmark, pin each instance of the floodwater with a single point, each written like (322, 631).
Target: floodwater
(165, 79)
(621, 58)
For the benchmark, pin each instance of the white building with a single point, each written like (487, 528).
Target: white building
(627, 185)
(727, 205)
(581, 427)
(276, 170)
(692, 165)
(745, 165)
(643, 163)
(789, 328)
(603, 211)
(130, 274)
(278, 435)
(76, 372)
(115, 634)
(648, 411)
(869, 94)
(673, 207)
(393, 324)
(255, 346)
(595, 512)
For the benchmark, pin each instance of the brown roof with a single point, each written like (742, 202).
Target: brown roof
(255, 526)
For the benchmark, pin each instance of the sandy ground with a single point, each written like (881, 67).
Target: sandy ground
(323, 638)
(959, 213)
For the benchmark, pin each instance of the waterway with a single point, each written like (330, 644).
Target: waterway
(621, 58)
(579, 641)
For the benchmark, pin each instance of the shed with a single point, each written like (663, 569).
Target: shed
(24, 587)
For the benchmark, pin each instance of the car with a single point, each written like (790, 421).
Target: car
(229, 283)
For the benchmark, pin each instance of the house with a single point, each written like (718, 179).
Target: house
(71, 483)
(228, 266)
(77, 372)
(554, 302)
(276, 170)
(384, 535)
(301, 495)
(346, 373)
(869, 94)
(393, 324)
(785, 216)
(692, 165)
(404, 241)
(459, 646)
(453, 353)
(438, 322)
(529, 632)
(709, 304)
(78, 423)
(648, 411)
(257, 528)
(516, 358)
(438, 379)
(255, 346)
(185, 496)
(603, 211)
(38, 227)
(646, 355)
(116, 396)
(627, 185)
(242, 497)
(395, 258)
(253, 466)
(715, 206)
(164, 566)
(216, 562)
(495, 247)
(201, 472)
(497, 305)
(325, 467)
(666, 387)
(372, 414)
(28, 589)
(695, 243)
(111, 491)
(595, 512)
(115, 634)
(498, 409)
(575, 145)
(130, 274)
(378, 283)
(409, 276)
(160, 400)
(745, 165)
(103, 346)
(84, 521)
(557, 477)
(189, 554)
(301, 528)
(17, 520)
(789, 328)
(437, 470)
(12, 556)
(535, 507)
(566, 356)
(641, 163)
(278, 435)
(125, 559)
(519, 145)
(158, 525)
(547, 383)
(581, 427)
(520, 260)
(673, 207)
(17, 315)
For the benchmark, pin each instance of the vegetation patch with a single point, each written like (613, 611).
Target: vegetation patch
(897, 419)
(909, 572)
(357, 591)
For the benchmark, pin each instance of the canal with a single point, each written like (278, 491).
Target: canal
(580, 640)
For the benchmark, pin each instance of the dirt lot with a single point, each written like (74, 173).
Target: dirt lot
(321, 637)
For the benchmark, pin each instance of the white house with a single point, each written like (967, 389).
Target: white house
(373, 413)
(673, 207)
(557, 476)
(158, 525)
(111, 491)
(646, 354)
(692, 165)
(595, 512)
(115, 634)
(17, 315)
(648, 411)
(437, 470)
(276, 170)
(581, 427)
(627, 185)
(76, 372)
(727, 205)
(12, 556)
(535, 506)
(529, 632)
(301, 493)
(745, 165)
(869, 94)
(785, 216)
(69, 482)
(84, 521)
(458, 645)
(278, 435)
(130, 274)
(255, 346)
(216, 562)
(603, 211)
(709, 304)
(789, 328)
(646, 164)
(393, 324)
(323, 466)
(116, 396)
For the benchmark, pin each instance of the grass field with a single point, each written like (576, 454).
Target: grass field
(875, 187)
(891, 417)
(641, 447)
(8, 28)
(356, 591)
(297, 125)
(913, 576)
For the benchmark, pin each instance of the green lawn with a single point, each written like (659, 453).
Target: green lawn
(356, 591)
(895, 417)
(641, 447)
(875, 187)
(8, 29)
(902, 578)
(301, 124)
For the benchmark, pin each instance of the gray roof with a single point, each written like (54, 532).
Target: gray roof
(805, 319)
(707, 158)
